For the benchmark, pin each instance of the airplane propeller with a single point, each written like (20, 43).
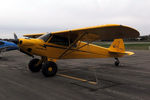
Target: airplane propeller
(15, 36)
(16, 40)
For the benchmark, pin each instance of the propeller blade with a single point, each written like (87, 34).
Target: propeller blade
(15, 36)
(16, 40)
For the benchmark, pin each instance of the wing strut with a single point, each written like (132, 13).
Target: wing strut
(70, 46)
(82, 45)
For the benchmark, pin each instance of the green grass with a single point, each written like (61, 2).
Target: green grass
(128, 45)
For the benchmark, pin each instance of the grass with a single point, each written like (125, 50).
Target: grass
(128, 45)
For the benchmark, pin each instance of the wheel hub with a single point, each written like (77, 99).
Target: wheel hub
(50, 69)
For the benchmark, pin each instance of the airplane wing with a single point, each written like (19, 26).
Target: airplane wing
(101, 32)
(35, 35)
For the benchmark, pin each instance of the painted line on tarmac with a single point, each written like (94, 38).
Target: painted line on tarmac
(78, 79)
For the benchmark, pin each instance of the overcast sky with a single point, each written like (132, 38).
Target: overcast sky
(35, 16)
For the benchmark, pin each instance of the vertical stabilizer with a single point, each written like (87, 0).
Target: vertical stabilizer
(117, 46)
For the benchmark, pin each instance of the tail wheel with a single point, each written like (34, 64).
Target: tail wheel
(49, 69)
(117, 62)
(33, 65)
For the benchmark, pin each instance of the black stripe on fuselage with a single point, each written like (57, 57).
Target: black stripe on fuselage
(65, 48)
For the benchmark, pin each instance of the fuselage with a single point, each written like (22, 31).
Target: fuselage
(55, 51)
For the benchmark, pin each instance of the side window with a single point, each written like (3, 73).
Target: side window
(59, 40)
(1, 43)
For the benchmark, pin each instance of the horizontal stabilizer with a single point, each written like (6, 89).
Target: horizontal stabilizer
(118, 47)
(129, 53)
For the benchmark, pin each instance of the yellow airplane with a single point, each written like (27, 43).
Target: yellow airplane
(74, 44)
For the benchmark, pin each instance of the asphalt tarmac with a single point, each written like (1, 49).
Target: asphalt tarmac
(80, 79)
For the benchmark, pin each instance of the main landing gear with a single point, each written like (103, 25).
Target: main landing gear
(49, 68)
(117, 62)
(34, 66)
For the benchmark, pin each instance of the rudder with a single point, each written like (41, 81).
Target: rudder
(117, 46)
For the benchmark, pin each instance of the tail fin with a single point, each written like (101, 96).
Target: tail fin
(117, 46)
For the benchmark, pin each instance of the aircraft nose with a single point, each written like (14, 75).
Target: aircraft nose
(25, 46)
(25, 42)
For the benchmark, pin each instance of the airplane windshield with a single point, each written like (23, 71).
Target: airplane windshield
(45, 37)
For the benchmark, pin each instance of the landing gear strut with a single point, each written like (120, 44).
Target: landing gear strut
(117, 62)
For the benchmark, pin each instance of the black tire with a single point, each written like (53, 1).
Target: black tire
(116, 63)
(49, 69)
(32, 65)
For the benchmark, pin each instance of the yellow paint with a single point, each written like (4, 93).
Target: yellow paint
(117, 46)
(50, 69)
(33, 35)
(76, 78)
(54, 51)
(53, 60)
(88, 51)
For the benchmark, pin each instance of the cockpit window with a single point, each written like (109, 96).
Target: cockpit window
(45, 37)
(60, 40)
(1, 43)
